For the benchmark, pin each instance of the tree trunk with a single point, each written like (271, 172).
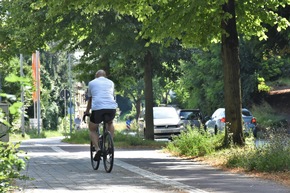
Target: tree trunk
(232, 82)
(138, 108)
(149, 130)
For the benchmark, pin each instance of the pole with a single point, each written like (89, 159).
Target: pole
(70, 96)
(38, 91)
(65, 110)
(22, 97)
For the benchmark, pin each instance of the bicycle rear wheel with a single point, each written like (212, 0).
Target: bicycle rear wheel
(95, 164)
(108, 153)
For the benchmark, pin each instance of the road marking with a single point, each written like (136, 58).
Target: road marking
(158, 178)
(57, 149)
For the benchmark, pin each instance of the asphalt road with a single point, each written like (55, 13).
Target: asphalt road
(58, 167)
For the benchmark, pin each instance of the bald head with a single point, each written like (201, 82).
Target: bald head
(100, 73)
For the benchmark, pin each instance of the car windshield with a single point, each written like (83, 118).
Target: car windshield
(189, 115)
(246, 113)
(165, 113)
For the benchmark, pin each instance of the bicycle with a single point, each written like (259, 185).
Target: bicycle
(106, 145)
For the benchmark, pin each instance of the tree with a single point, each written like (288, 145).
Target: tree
(202, 80)
(215, 21)
(195, 23)
(232, 81)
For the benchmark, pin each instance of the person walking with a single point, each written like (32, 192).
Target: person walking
(78, 122)
(101, 100)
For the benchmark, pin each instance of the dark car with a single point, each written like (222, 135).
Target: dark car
(191, 117)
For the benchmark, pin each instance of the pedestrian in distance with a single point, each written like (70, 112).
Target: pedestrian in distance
(78, 122)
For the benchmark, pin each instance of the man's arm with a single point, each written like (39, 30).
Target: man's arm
(89, 105)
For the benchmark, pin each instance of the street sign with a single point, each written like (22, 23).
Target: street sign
(64, 93)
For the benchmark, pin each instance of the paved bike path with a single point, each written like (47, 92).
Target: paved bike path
(60, 167)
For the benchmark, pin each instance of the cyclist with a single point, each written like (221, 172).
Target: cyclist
(101, 101)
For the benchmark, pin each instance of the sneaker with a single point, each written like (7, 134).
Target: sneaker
(98, 156)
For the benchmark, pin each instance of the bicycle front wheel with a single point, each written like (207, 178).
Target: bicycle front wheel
(108, 155)
(95, 164)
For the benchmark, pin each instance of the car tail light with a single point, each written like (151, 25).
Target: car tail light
(254, 120)
(223, 120)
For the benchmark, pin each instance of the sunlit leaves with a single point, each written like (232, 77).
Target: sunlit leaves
(14, 78)
(262, 87)
(253, 15)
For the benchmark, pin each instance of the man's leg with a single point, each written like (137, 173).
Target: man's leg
(111, 128)
(95, 139)
(93, 134)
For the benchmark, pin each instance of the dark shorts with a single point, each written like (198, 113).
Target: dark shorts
(107, 115)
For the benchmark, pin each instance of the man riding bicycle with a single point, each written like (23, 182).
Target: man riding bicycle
(101, 101)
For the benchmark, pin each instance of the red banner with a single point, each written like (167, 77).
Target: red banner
(36, 76)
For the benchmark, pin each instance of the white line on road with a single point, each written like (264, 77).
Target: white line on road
(57, 149)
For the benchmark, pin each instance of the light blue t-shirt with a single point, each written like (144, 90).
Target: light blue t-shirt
(102, 92)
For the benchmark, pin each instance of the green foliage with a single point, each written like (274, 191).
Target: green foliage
(272, 157)
(121, 139)
(266, 116)
(54, 78)
(182, 17)
(10, 163)
(11, 86)
(33, 134)
(202, 80)
(284, 81)
(273, 66)
(51, 116)
(79, 137)
(262, 87)
(109, 34)
(10, 166)
(124, 104)
(194, 143)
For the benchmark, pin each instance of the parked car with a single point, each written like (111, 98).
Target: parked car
(217, 121)
(191, 117)
(166, 123)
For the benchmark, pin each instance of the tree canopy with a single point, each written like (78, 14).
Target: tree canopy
(195, 23)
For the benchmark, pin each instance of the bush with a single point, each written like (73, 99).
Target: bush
(273, 156)
(194, 143)
(79, 137)
(267, 117)
(121, 139)
(10, 166)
